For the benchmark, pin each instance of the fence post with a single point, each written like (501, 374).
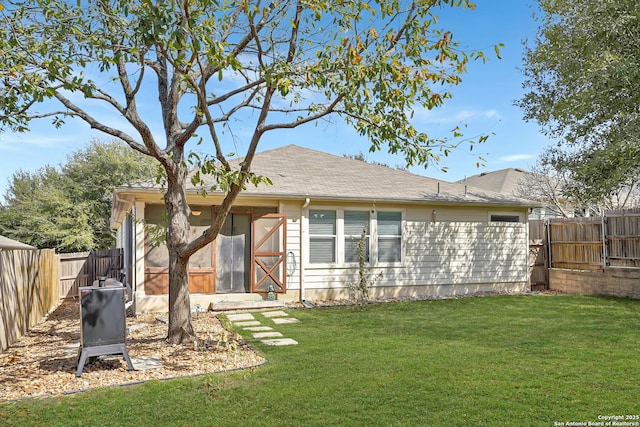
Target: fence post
(605, 260)
(548, 229)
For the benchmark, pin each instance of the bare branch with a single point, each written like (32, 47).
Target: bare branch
(328, 110)
(293, 41)
(95, 124)
(234, 92)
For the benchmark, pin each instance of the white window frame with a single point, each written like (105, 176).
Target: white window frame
(519, 215)
(340, 237)
(341, 230)
(335, 236)
(377, 237)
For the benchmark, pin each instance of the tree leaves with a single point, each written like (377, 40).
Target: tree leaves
(583, 74)
(68, 208)
(230, 72)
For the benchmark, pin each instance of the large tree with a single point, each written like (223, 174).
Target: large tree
(68, 207)
(38, 211)
(583, 74)
(92, 173)
(224, 68)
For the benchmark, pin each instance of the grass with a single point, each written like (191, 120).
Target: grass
(493, 361)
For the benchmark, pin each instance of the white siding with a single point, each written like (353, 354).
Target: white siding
(464, 252)
(460, 248)
(138, 268)
(454, 214)
(293, 244)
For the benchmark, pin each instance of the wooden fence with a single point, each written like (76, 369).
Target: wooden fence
(610, 241)
(538, 271)
(576, 243)
(83, 268)
(28, 290)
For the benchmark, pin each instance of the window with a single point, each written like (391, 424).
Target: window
(355, 222)
(322, 236)
(505, 218)
(389, 236)
(157, 254)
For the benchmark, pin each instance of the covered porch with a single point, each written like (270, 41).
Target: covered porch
(244, 267)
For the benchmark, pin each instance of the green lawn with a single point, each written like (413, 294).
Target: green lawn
(492, 361)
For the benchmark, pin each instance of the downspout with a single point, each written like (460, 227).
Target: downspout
(131, 243)
(132, 246)
(305, 205)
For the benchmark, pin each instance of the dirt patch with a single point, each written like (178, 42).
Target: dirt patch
(43, 362)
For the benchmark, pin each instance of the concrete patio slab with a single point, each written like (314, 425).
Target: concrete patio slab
(245, 305)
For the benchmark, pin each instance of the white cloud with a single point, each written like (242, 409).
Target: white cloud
(442, 116)
(517, 157)
(12, 141)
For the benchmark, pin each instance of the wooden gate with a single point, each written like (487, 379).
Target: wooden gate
(83, 268)
(269, 248)
(538, 255)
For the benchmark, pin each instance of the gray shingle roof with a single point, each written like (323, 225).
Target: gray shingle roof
(301, 172)
(503, 181)
(298, 172)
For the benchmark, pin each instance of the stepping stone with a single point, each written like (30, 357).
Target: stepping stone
(267, 334)
(163, 319)
(71, 349)
(281, 341)
(146, 362)
(281, 321)
(240, 316)
(247, 323)
(279, 313)
(258, 328)
(135, 327)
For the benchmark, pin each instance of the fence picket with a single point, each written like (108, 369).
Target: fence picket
(29, 289)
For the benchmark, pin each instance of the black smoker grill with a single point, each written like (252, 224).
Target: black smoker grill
(103, 323)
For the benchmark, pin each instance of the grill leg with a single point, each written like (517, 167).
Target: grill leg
(103, 350)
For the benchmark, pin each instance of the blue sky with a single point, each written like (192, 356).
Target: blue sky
(484, 101)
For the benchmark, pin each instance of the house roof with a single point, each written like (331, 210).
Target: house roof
(300, 173)
(10, 244)
(504, 181)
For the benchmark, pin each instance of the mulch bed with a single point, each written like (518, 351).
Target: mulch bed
(43, 362)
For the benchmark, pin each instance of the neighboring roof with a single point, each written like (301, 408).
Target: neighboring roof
(9, 244)
(504, 181)
(298, 173)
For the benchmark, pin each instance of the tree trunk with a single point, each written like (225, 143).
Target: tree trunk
(180, 328)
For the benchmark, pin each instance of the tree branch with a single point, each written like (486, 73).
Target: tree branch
(328, 110)
(95, 124)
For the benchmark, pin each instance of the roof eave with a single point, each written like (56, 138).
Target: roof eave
(123, 198)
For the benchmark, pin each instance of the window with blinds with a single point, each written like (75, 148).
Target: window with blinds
(389, 236)
(354, 224)
(322, 236)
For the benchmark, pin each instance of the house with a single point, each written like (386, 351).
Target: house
(504, 181)
(8, 244)
(518, 182)
(298, 236)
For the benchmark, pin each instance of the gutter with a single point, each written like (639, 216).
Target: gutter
(305, 205)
